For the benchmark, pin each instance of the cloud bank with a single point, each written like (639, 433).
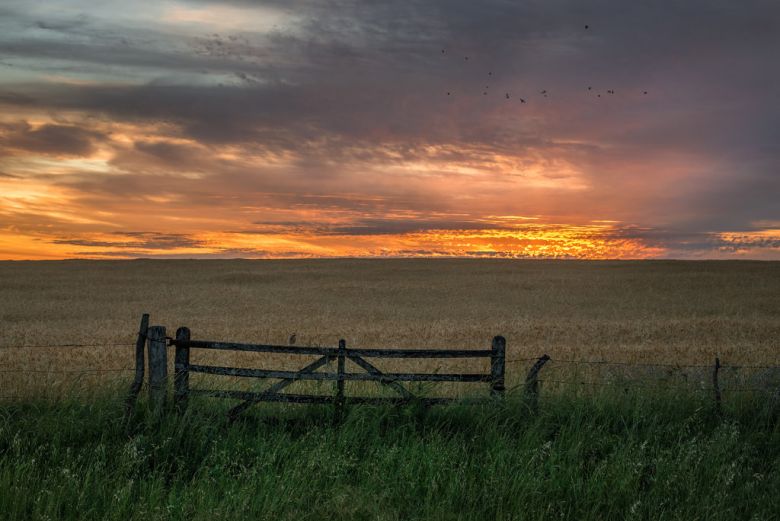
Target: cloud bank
(312, 128)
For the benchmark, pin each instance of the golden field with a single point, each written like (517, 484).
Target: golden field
(668, 312)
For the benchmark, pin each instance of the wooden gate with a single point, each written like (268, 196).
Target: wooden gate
(369, 372)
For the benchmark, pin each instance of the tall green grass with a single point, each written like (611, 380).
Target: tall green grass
(596, 456)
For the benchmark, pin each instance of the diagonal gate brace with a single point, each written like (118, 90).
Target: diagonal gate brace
(373, 371)
(275, 388)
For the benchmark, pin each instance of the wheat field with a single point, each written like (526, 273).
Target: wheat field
(611, 453)
(667, 312)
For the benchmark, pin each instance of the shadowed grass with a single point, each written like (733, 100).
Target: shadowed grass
(602, 455)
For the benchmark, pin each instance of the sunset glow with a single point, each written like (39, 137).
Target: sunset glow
(229, 129)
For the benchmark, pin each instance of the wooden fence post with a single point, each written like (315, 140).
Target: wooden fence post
(138, 379)
(181, 375)
(716, 385)
(497, 366)
(158, 367)
(342, 358)
(532, 382)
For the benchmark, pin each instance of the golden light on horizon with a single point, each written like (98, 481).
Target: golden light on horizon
(546, 241)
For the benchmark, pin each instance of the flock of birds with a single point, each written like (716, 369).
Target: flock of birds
(542, 92)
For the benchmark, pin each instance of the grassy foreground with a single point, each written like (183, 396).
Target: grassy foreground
(610, 456)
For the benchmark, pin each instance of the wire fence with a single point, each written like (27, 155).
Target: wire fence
(13, 368)
(645, 364)
(641, 385)
(63, 346)
(758, 378)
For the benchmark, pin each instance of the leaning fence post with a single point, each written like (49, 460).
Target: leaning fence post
(138, 379)
(715, 384)
(342, 358)
(181, 375)
(497, 366)
(158, 366)
(532, 382)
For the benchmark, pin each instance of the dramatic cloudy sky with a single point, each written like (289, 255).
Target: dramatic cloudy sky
(328, 128)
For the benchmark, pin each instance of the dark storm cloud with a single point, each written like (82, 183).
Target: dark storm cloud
(375, 70)
(49, 139)
(138, 240)
(168, 153)
(681, 242)
(15, 99)
(225, 253)
(397, 226)
(347, 84)
(371, 226)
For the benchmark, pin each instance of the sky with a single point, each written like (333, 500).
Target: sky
(292, 128)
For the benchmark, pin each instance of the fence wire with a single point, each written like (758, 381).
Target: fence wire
(46, 346)
(68, 371)
(642, 364)
(698, 383)
(645, 386)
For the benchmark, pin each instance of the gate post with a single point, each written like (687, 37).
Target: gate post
(716, 386)
(138, 379)
(532, 384)
(181, 375)
(158, 367)
(342, 358)
(497, 366)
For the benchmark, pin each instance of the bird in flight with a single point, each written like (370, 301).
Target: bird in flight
(587, 26)
(522, 100)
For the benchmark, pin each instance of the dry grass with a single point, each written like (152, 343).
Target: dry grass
(657, 311)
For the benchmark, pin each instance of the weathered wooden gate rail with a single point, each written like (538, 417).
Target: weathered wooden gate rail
(158, 342)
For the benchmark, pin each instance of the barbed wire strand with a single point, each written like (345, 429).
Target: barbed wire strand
(643, 386)
(607, 362)
(170, 340)
(43, 346)
(637, 364)
(644, 364)
(67, 371)
(749, 366)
